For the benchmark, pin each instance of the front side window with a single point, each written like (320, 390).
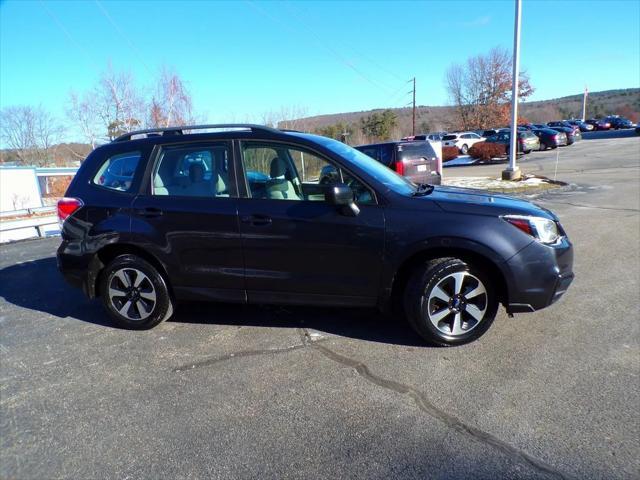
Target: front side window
(283, 172)
(193, 171)
(117, 172)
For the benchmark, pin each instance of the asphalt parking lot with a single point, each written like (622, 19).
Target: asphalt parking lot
(225, 391)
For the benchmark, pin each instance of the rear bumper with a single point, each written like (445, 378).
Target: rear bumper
(78, 270)
(539, 275)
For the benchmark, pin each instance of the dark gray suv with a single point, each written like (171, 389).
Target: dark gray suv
(240, 214)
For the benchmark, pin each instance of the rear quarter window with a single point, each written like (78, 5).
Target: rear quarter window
(117, 171)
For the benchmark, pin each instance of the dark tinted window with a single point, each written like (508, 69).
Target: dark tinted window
(117, 171)
(415, 151)
(386, 154)
(371, 151)
(449, 137)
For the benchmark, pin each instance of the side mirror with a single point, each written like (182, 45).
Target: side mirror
(341, 196)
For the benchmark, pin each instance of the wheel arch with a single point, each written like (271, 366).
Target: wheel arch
(107, 253)
(468, 255)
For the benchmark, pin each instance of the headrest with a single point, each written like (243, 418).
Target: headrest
(278, 167)
(196, 172)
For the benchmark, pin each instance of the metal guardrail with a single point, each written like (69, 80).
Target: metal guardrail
(27, 211)
(36, 222)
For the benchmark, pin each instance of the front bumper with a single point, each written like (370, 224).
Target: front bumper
(539, 275)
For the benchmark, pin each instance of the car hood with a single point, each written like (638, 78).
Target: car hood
(474, 201)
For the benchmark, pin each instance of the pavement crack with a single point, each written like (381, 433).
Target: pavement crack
(235, 355)
(306, 340)
(426, 406)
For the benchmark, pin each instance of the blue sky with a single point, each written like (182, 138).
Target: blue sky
(243, 58)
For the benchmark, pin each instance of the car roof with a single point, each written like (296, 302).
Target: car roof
(392, 142)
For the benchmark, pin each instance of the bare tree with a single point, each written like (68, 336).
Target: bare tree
(171, 104)
(292, 117)
(481, 89)
(118, 103)
(31, 132)
(82, 112)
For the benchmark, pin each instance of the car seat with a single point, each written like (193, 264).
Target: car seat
(278, 186)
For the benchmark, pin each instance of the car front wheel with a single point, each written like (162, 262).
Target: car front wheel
(134, 293)
(450, 302)
(464, 149)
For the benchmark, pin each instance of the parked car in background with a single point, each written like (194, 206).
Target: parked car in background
(584, 127)
(565, 124)
(550, 138)
(572, 135)
(462, 140)
(618, 123)
(434, 137)
(415, 160)
(489, 133)
(599, 124)
(526, 141)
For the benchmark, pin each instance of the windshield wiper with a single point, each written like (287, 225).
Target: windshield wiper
(422, 189)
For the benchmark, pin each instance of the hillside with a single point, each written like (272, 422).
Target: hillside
(621, 101)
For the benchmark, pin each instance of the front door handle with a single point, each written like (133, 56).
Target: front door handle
(256, 220)
(148, 212)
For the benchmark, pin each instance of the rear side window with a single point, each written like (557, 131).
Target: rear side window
(371, 151)
(193, 171)
(117, 172)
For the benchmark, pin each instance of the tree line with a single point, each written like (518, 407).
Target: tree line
(115, 105)
(479, 91)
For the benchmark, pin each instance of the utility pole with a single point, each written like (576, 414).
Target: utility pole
(413, 130)
(584, 103)
(513, 172)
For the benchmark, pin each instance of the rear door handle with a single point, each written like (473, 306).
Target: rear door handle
(148, 212)
(256, 220)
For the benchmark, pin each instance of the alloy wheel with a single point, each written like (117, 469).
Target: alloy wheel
(132, 294)
(457, 303)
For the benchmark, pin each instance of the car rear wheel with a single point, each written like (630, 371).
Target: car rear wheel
(134, 293)
(543, 146)
(464, 149)
(450, 302)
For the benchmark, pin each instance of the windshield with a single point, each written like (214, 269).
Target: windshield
(382, 174)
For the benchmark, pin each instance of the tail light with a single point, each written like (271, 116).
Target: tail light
(67, 207)
(400, 168)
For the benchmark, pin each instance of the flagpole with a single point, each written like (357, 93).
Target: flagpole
(584, 103)
(512, 172)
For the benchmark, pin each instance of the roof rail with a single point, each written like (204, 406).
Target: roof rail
(183, 130)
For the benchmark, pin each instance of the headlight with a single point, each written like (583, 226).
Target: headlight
(542, 229)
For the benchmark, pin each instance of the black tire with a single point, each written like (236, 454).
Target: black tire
(419, 299)
(543, 146)
(153, 285)
(464, 149)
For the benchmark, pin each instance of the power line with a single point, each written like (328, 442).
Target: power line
(321, 44)
(289, 6)
(68, 34)
(120, 32)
